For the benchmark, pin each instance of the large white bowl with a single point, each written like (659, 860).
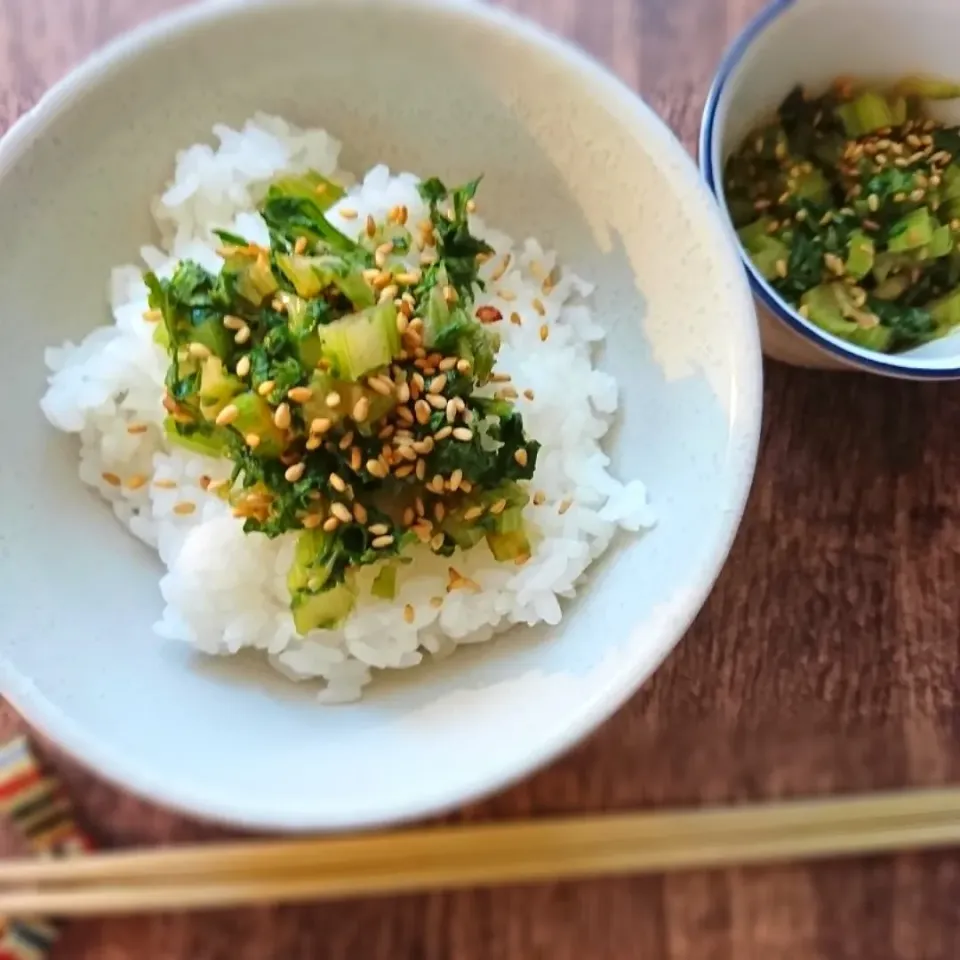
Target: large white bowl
(571, 156)
(812, 42)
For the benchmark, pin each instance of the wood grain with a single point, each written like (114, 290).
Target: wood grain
(827, 658)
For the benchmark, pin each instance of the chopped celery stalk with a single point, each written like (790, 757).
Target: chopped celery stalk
(314, 603)
(255, 416)
(868, 112)
(297, 316)
(877, 338)
(928, 88)
(310, 185)
(322, 611)
(893, 287)
(913, 231)
(161, 336)
(384, 585)
(217, 387)
(212, 334)
(830, 307)
(509, 541)
(454, 331)
(946, 311)
(210, 443)
(765, 251)
(256, 282)
(310, 276)
(941, 244)
(812, 186)
(752, 232)
(950, 186)
(322, 385)
(860, 254)
(361, 342)
(900, 109)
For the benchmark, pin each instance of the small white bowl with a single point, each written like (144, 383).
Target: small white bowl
(571, 156)
(811, 42)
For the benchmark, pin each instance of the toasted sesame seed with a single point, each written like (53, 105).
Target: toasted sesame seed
(421, 469)
(184, 508)
(473, 513)
(381, 385)
(507, 295)
(360, 513)
(379, 529)
(252, 440)
(348, 213)
(376, 469)
(356, 459)
(436, 401)
(281, 417)
(409, 614)
(227, 415)
(111, 478)
(198, 351)
(300, 245)
(332, 399)
(266, 387)
(501, 269)
(330, 524)
(464, 366)
(537, 304)
(378, 543)
(371, 226)
(388, 293)
(447, 364)
(405, 414)
(521, 456)
(782, 269)
(279, 305)
(455, 479)
(565, 505)
(436, 483)
(361, 410)
(437, 384)
(153, 316)
(243, 366)
(437, 542)
(436, 602)
(404, 471)
(381, 253)
(320, 425)
(300, 394)
(312, 520)
(294, 473)
(463, 434)
(341, 512)
(242, 335)
(422, 410)
(346, 440)
(917, 195)
(450, 294)
(539, 498)
(408, 277)
(135, 428)
(165, 484)
(497, 508)
(544, 331)
(337, 482)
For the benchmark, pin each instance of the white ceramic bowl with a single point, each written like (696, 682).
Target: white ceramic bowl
(812, 42)
(571, 156)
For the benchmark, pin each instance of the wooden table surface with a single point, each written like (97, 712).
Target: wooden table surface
(826, 659)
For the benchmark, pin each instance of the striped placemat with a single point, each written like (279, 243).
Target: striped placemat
(36, 805)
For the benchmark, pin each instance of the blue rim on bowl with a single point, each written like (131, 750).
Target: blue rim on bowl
(768, 297)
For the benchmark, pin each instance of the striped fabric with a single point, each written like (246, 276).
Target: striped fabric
(36, 805)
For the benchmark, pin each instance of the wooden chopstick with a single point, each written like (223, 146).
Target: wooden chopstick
(222, 875)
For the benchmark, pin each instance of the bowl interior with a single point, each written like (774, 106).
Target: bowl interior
(813, 41)
(570, 157)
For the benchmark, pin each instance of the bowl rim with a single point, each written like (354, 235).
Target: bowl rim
(745, 416)
(896, 365)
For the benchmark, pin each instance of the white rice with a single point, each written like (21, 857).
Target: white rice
(224, 590)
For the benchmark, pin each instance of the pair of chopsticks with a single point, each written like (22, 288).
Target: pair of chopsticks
(222, 875)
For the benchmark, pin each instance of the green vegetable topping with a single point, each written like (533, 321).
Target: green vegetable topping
(352, 387)
(848, 204)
